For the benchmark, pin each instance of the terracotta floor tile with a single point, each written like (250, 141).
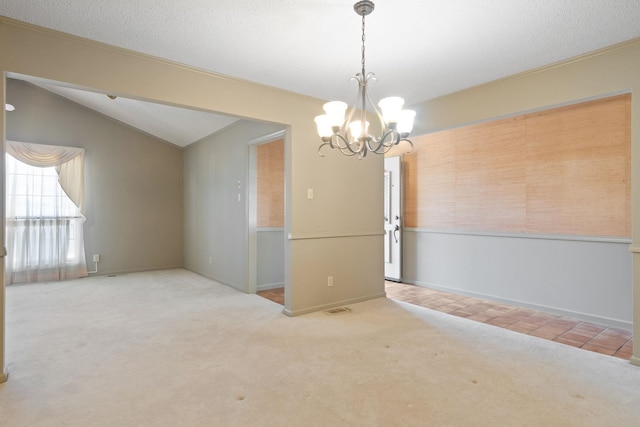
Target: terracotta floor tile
(514, 327)
(581, 333)
(628, 345)
(575, 337)
(474, 308)
(459, 313)
(615, 332)
(457, 305)
(521, 314)
(611, 344)
(611, 341)
(440, 302)
(500, 321)
(548, 334)
(598, 349)
(472, 301)
(276, 295)
(589, 336)
(563, 323)
(504, 308)
(623, 356)
(480, 317)
(526, 325)
(539, 319)
(564, 340)
(555, 329)
(495, 312)
(503, 321)
(589, 327)
(624, 353)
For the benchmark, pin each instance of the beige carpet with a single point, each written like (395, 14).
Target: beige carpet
(171, 348)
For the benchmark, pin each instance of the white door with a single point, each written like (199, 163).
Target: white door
(393, 218)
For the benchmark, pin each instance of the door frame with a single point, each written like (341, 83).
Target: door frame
(252, 206)
(398, 211)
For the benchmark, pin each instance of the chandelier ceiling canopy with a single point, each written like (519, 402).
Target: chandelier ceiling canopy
(349, 132)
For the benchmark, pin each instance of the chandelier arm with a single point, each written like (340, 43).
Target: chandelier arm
(346, 147)
(387, 148)
(383, 126)
(380, 143)
(362, 152)
(349, 153)
(337, 145)
(410, 143)
(354, 106)
(320, 148)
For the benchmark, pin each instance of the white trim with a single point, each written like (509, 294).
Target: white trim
(266, 138)
(251, 196)
(332, 305)
(331, 235)
(251, 212)
(270, 229)
(635, 249)
(267, 286)
(597, 239)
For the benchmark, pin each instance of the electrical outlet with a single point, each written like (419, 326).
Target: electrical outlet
(210, 260)
(330, 281)
(96, 258)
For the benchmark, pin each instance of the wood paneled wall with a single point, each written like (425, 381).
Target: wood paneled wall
(560, 171)
(270, 188)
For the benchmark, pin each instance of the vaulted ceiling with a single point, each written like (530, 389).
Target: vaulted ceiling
(419, 49)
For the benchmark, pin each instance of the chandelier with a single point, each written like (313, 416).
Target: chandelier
(351, 135)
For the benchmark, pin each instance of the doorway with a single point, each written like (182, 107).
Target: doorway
(393, 218)
(266, 217)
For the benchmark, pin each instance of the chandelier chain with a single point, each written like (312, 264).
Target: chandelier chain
(363, 48)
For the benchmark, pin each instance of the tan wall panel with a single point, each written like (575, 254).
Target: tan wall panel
(560, 171)
(270, 187)
(578, 169)
(490, 179)
(430, 186)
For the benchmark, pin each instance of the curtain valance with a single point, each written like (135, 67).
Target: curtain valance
(67, 160)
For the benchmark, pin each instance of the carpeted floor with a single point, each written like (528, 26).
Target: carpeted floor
(171, 348)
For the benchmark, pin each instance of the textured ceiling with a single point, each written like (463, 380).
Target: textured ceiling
(419, 49)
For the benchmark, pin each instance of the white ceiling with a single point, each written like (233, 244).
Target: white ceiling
(179, 126)
(419, 49)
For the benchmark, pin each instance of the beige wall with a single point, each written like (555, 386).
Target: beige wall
(133, 182)
(599, 74)
(216, 203)
(315, 237)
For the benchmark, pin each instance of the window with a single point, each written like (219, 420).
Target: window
(44, 225)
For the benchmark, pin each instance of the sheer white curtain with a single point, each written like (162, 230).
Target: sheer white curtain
(45, 213)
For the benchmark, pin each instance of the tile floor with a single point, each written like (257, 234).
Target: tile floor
(275, 295)
(589, 336)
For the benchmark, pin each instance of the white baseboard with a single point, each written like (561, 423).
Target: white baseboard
(601, 320)
(267, 286)
(332, 305)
